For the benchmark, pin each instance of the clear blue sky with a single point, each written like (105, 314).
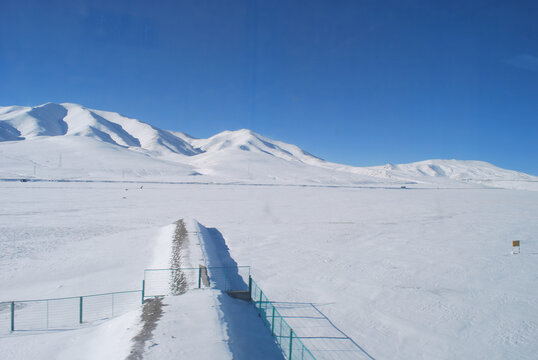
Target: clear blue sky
(357, 82)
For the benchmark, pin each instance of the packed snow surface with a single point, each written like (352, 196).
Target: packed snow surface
(107, 340)
(407, 273)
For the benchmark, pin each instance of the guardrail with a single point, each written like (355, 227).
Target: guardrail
(66, 312)
(292, 347)
(162, 282)
(71, 312)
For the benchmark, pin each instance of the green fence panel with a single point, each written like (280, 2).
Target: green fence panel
(65, 313)
(291, 346)
(162, 282)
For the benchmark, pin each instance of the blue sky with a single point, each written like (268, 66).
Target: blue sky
(357, 82)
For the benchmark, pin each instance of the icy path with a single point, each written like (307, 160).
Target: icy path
(208, 324)
(203, 323)
(198, 324)
(191, 328)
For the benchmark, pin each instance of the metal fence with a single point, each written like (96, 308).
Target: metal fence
(162, 282)
(65, 313)
(316, 331)
(324, 340)
(291, 345)
(71, 312)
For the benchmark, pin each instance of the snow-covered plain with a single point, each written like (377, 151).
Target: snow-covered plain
(407, 273)
(411, 260)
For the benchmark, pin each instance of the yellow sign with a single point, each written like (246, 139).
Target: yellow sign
(515, 243)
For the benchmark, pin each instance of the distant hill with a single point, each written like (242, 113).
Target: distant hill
(69, 141)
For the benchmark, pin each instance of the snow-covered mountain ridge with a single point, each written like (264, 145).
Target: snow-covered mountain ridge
(20, 123)
(71, 141)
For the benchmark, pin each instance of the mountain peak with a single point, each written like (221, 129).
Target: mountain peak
(232, 154)
(70, 119)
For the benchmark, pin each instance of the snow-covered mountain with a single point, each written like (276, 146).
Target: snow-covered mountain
(462, 170)
(70, 141)
(22, 123)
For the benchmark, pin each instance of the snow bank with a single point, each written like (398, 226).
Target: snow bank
(109, 340)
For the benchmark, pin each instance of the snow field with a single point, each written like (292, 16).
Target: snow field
(414, 273)
(202, 323)
(108, 340)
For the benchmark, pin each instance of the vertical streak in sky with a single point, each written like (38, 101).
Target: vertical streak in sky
(252, 57)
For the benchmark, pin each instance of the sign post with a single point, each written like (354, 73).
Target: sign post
(515, 246)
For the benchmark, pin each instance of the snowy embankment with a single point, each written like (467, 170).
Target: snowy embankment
(108, 340)
(188, 325)
(203, 323)
(198, 323)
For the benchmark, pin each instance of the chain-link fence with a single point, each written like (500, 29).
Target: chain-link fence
(65, 313)
(292, 346)
(71, 312)
(162, 282)
(324, 340)
(317, 335)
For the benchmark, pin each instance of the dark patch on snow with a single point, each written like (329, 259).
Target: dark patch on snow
(118, 130)
(178, 282)
(51, 118)
(9, 133)
(151, 313)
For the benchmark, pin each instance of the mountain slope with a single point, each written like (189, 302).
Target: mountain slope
(84, 158)
(67, 119)
(35, 136)
(44, 120)
(247, 140)
(462, 170)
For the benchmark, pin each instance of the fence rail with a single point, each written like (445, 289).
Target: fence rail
(71, 312)
(66, 312)
(162, 282)
(292, 346)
